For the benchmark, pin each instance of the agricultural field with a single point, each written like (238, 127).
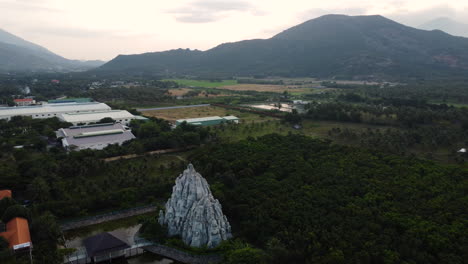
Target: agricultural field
(315, 129)
(195, 112)
(268, 88)
(190, 92)
(179, 91)
(233, 133)
(202, 83)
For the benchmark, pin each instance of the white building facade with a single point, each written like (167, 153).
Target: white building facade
(51, 110)
(84, 118)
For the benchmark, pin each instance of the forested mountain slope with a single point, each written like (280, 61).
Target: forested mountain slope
(332, 45)
(19, 55)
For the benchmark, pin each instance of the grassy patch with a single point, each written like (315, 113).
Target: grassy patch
(205, 111)
(239, 132)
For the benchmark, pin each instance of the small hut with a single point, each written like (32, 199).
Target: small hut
(104, 247)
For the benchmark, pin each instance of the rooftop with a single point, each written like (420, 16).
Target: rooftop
(65, 100)
(200, 119)
(231, 118)
(103, 243)
(205, 119)
(95, 116)
(24, 100)
(5, 194)
(53, 108)
(95, 134)
(17, 233)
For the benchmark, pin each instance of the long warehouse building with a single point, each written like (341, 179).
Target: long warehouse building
(51, 110)
(84, 118)
(209, 121)
(96, 136)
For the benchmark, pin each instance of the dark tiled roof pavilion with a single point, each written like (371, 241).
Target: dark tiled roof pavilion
(103, 243)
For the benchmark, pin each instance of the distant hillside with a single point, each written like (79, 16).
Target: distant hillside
(447, 25)
(19, 55)
(331, 45)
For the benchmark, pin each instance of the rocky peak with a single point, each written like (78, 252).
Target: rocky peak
(193, 213)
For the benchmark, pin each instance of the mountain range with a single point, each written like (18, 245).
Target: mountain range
(448, 25)
(337, 46)
(328, 46)
(19, 55)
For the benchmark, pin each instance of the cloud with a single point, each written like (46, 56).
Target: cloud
(418, 17)
(205, 11)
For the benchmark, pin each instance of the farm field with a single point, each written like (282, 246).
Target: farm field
(202, 83)
(179, 91)
(315, 129)
(196, 112)
(201, 93)
(267, 88)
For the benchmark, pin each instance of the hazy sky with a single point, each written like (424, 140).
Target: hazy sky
(102, 29)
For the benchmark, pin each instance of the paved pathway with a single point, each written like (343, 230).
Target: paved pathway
(170, 107)
(155, 152)
(97, 219)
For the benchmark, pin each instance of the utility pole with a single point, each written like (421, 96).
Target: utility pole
(30, 255)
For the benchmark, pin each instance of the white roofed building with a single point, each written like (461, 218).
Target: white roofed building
(97, 136)
(208, 121)
(51, 110)
(84, 118)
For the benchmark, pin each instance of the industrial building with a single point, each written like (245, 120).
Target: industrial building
(24, 102)
(51, 110)
(97, 136)
(85, 118)
(209, 121)
(70, 100)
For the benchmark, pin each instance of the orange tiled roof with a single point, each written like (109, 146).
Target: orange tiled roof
(5, 194)
(17, 232)
(23, 100)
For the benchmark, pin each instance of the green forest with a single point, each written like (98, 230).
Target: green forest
(303, 200)
(341, 140)
(371, 174)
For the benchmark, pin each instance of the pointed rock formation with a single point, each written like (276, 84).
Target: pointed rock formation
(193, 213)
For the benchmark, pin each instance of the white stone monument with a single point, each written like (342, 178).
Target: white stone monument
(193, 213)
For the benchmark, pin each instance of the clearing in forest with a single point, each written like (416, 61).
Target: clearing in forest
(267, 88)
(204, 111)
(202, 83)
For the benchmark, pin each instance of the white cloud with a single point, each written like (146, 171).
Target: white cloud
(204, 11)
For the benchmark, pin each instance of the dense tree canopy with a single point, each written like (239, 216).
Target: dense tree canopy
(306, 201)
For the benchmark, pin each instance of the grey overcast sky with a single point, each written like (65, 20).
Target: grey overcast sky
(102, 29)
